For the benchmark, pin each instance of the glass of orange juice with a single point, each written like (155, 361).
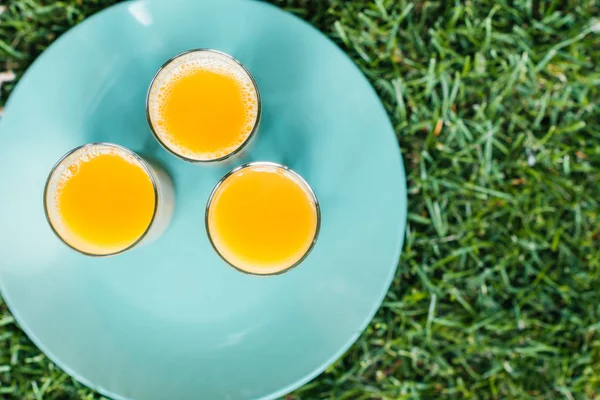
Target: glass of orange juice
(263, 218)
(102, 199)
(203, 106)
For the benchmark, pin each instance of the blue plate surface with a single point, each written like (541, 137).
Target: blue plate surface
(170, 320)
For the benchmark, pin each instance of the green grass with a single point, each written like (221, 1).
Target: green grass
(497, 109)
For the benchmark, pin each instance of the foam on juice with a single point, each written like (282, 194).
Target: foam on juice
(73, 162)
(185, 66)
(109, 219)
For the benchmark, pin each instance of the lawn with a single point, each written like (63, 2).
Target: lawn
(496, 107)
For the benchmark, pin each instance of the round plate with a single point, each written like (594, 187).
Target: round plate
(170, 319)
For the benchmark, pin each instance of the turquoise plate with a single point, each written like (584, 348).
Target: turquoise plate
(170, 320)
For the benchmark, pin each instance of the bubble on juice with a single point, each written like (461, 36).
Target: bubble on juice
(181, 67)
(70, 166)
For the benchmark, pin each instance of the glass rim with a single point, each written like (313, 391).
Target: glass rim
(147, 168)
(237, 149)
(296, 176)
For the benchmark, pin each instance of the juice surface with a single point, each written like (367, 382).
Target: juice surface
(104, 202)
(203, 108)
(262, 219)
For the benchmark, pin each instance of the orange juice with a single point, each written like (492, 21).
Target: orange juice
(101, 199)
(263, 218)
(203, 106)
